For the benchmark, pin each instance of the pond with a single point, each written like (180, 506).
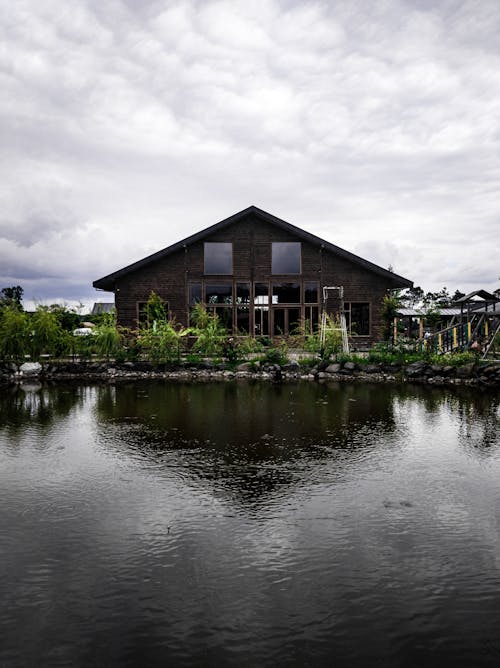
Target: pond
(249, 524)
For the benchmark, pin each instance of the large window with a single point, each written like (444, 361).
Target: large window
(286, 257)
(261, 294)
(311, 292)
(357, 315)
(286, 321)
(219, 294)
(286, 293)
(195, 294)
(218, 258)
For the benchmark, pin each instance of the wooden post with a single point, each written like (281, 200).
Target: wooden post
(395, 329)
(469, 331)
(486, 327)
(455, 337)
(421, 328)
(440, 342)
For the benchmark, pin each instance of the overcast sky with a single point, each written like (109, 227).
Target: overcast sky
(130, 124)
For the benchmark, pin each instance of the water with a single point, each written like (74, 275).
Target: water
(238, 524)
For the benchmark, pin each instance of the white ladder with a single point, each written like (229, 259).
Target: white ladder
(326, 322)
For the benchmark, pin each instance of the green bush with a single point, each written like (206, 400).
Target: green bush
(332, 345)
(453, 359)
(390, 306)
(248, 345)
(209, 331)
(14, 333)
(276, 355)
(162, 342)
(106, 340)
(47, 335)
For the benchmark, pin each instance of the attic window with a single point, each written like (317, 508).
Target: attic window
(286, 257)
(218, 258)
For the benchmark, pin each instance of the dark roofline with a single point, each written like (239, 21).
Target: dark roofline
(107, 282)
(487, 296)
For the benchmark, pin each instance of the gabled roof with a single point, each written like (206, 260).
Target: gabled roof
(107, 282)
(482, 294)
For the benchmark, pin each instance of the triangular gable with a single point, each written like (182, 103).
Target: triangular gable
(107, 282)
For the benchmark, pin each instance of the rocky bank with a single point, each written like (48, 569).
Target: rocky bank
(475, 374)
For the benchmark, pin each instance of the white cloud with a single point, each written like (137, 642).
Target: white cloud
(129, 125)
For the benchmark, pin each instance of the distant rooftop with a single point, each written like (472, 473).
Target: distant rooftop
(445, 310)
(480, 294)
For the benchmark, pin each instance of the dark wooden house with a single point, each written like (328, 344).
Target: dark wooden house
(261, 275)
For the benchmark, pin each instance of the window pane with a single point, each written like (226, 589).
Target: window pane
(261, 293)
(243, 293)
(312, 316)
(218, 258)
(142, 311)
(243, 320)
(279, 321)
(194, 293)
(286, 257)
(261, 315)
(360, 319)
(219, 294)
(286, 293)
(225, 314)
(293, 320)
(311, 293)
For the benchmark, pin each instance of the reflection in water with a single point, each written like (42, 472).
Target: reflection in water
(256, 436)
(249, 524)
(31, 403)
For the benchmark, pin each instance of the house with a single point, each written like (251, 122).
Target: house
(260, 274)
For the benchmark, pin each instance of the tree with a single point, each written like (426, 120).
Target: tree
(156, 308)
(13, 333)
(390, 306)
(67, 318)
(48, 337)
(457, 295)
(438, 299)
(412, 297)
(210, 333)
(12, 296)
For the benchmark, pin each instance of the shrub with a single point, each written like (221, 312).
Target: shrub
(156, 309)
(13, 333)
(66, 317)
(453, 359)
(332, 344)
(47, 335)
(248, 345)
(162, 342)
(210, 333)
(276, 355)
(390, 306)
(106, 340)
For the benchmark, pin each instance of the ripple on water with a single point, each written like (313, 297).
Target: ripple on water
(141, 523)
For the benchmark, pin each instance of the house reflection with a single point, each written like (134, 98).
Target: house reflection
(251, 438)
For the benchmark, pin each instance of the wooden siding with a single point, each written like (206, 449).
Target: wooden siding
(251, 238)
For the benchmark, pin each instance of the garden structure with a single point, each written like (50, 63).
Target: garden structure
(471, 323)
(261, 275)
